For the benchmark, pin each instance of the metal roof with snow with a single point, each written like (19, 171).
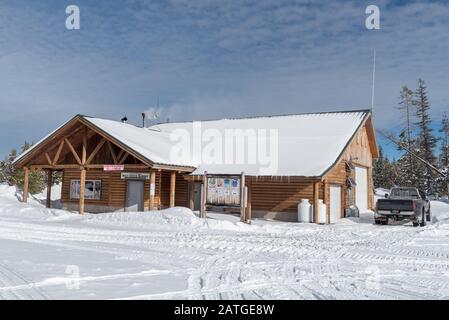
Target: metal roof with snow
(305, 144)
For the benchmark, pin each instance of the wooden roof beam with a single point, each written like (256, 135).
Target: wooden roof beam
(111, 149)
(77, 158)
(122, 160)
(58, 152)
(48, 158)
(94, 153)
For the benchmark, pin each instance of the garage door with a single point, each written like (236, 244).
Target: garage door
(334, 203)
(361, 189)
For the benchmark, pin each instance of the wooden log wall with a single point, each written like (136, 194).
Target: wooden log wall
(164, 189)
(74, 174)
(113, 188)
(281, 194)
(359, 153)
(182, 191)
(338, 175)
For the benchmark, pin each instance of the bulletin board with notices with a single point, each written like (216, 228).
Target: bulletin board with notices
(223, 191)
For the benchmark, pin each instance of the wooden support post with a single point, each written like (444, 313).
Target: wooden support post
(49, 185)
(242, 198)
(159, 204)
(316, 192)
(172, 188)
(248, 205)
(192, 195)
(152, 189)
(82, 189)
(202, 206)
(110, 178)
(327, 202)
(203, 196)
(370, 190)
(26, 180)
(84, 148)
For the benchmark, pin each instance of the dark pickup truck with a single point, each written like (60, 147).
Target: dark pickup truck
(403, 203)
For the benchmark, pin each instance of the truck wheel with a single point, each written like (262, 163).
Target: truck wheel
(385, 222)
(422, 223)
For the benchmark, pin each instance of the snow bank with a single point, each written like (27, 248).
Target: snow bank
(7, 191)
(440, 211)
(55, 193)
(178, 218)
(172, 218)
(184, 219)
(11, 205)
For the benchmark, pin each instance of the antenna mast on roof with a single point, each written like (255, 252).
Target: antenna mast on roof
(374, 82)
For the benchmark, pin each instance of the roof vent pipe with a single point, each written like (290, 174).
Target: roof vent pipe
(124, 119)
(143, 119)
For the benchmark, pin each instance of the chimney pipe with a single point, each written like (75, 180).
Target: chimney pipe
(124, 119)
(143, 119)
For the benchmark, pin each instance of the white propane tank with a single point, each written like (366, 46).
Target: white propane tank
(304, 211)
(321, 212)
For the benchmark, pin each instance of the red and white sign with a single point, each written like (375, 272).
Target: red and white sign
(113, 167)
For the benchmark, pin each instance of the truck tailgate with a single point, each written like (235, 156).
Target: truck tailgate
(395, 205)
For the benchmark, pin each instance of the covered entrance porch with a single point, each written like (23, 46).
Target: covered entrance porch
(101, 174)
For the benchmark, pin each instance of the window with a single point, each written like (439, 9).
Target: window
(92, 189)
(404, 193)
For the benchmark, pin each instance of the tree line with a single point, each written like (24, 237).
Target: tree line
(416, 138)
(14, 177)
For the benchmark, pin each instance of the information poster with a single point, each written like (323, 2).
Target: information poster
(223, 191)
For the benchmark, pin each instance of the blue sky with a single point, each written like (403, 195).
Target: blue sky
(212, 59)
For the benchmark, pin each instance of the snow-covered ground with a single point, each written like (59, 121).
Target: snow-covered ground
(54, 254)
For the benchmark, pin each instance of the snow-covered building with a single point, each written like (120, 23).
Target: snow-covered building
(259, 166)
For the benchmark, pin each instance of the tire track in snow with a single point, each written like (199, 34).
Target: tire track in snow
(244, 264)
(11, 282)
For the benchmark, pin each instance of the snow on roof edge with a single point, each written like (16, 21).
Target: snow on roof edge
(87, 118)
(362, 122)
(365, 113)
(34, 146)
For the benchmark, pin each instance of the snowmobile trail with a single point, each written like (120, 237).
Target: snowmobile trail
(11, 282)
(175, 255)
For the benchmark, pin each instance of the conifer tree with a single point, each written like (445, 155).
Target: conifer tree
(379, 170)
(14, 177)
(383, 172)
(7, 169)
(443, 184)
(406, 107)
(426, 141)
(406, 165)
(444, 156)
